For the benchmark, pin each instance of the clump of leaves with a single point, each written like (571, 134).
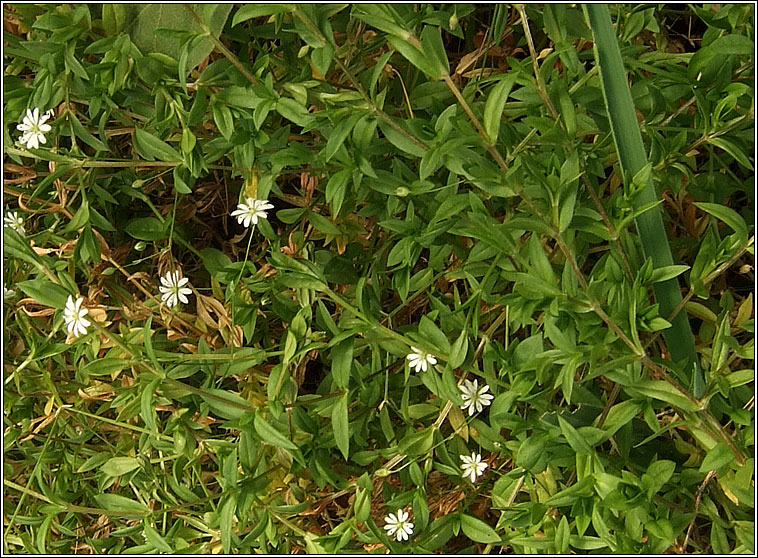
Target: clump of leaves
(379, 277)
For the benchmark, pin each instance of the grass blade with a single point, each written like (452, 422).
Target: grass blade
(632, 157)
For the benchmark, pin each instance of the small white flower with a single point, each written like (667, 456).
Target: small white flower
(473, 466)
(8, 294)
(251, 211)
(74, 314)
(173, 289)
(34, 128)
(420, 360)
(399, 526)
(14, 221)
(474, 398)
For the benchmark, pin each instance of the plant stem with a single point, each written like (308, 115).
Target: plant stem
(221, 48)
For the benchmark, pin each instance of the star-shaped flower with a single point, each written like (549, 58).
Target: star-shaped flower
(474, 398)
(420, 360)
(73, 315)
(399, 526)
(473, 466)
(251, 211)
(13, 221)
(173, 290)
(34, 128)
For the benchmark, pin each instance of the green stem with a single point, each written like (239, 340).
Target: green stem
(221, 48)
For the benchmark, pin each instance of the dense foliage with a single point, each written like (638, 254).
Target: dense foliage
(358, 278)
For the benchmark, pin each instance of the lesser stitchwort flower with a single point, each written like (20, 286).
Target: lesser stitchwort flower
(420, 360)
(173, 290)
(251, 211)
(399, 526)
(73, 315)
(473, 466)
(14, 221)
(474, 398)
(34, 128)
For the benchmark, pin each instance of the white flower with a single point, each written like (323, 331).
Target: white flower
(419, 360)
(251, 211)
(8, 294)
(399, 526)
(13, 221)
(74, 314)
(473, 466)
(474, 398)
(34, 128)
(173, 289)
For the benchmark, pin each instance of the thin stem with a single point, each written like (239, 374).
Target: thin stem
(221, 48)
(541, 88)
(478, 125)
(237, 282)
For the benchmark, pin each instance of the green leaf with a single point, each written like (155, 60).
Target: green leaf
(153, 537)
(493, 108)
(147, 408)
(342, 362)
(226, 519)
(271, 435)
(226, 404)
(338, 135)
(295, 280)
(429, 330)
(663, 391)
(417, 443)
(478, 531)
(17, 247)
(434, 49)
(116, 466)
(45, 292)
(667, 272)
(562, 534)
(293, 111)
(716, 458)
(341, 425)
(401, 141)
(336, 188)
(728, 216)
(658, 473)
(322, 58)
(568, 496)
(449, 386)
(733, 150)
(415, 56)
(322, 224)
(105, 366)
(114, 19)
(620, 414)
(147, 25)
(117, 503)
(733, 44)
(575, 440)
(151, 147)
(250, 11)
(223, 118)
(146, 228)
(84, 135)
(459, 350)
(93, 462)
